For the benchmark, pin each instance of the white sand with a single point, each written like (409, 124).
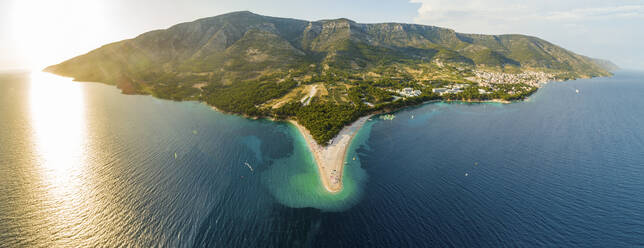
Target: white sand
(330, 159)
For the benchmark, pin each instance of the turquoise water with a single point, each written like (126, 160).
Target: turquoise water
(294, 180)
(82, 165)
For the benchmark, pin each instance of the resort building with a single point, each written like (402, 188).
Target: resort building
(439, 90)
(409, 92)
(442, 91)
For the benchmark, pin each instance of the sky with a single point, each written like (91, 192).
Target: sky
(37, 33)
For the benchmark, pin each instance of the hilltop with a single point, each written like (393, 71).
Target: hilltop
(325, 74)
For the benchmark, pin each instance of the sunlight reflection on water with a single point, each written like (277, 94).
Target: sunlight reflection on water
(59, 137)
(58, 119)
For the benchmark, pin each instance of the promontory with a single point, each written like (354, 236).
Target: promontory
(325, 75)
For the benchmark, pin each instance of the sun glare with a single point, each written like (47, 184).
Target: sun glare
(59, 135)
(48, 32)
(58, 117)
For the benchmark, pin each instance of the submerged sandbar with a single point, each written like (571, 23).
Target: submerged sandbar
(330, 159)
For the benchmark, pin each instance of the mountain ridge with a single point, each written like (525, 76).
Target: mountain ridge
(474, 48)
(257, 65)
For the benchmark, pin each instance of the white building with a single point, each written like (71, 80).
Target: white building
(483, 92)
(458, 86)
(439, 90)
(442, 91)
(409, 92)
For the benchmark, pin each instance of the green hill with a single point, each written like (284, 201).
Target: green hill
(259, 66)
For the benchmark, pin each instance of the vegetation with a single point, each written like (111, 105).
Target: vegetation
(325, 120)
(369, 93)
(244, 97)
(248, 64)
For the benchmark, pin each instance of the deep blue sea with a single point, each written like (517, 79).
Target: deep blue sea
(82, 165)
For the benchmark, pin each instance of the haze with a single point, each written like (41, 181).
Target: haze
(36, 33)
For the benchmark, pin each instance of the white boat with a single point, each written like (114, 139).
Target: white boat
(248, 165)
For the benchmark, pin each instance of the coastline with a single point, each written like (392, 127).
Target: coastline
(485, 101)
(330, 159)
(237, 114)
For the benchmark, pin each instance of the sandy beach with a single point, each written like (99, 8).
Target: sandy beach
(330, 159)
(478, 101)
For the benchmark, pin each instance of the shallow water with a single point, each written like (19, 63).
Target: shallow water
(83, 165)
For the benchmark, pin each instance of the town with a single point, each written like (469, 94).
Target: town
(531, 78)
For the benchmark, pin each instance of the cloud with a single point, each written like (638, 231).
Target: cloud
(484, 12)
(626, 11)
(607, 29)
(441, 9)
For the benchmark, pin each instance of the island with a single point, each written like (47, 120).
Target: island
(326, 77)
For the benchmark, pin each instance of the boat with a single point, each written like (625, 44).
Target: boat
(577, 91)
(248, 165)
(175, 155)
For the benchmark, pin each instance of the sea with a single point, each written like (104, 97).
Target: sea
(82, 165)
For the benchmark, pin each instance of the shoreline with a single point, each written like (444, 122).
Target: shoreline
(330, 159)
(485, 101)
(393, 110)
